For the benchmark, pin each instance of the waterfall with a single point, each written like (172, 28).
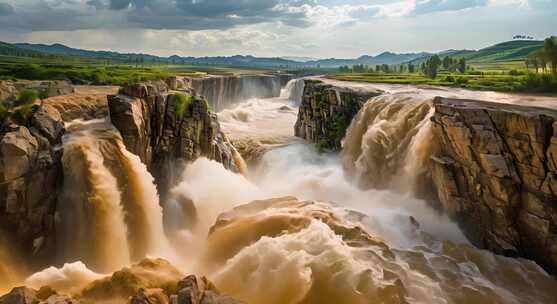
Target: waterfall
(109, 200)
(294, 91)
(224, 91)
(389, 142)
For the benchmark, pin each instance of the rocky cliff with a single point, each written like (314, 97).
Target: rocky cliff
(326, 112)
(493, 167)
(146, 116)
(222, 91)
(496, 173)
(30, 177)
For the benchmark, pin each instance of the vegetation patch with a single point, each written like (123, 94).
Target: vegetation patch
(182, 104)
(26, 96)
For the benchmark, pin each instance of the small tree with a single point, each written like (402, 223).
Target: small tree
(432, 66)
(550, 50)
(462, 65)
(447, 62)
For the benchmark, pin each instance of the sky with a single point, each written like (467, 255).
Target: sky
(272, 28)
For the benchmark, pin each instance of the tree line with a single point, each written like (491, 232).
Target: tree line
(544, 57)
(430, 67)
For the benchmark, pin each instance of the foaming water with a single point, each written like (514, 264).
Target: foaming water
(290, 251)
(257, 125)
(293, 91)
(266, 120)
(70, 278)
(389, 142)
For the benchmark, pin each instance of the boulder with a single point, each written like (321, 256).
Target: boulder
(149, 296)
(20, 295)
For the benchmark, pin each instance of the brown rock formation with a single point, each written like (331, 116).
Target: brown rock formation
(496, 173)
(30, 176)
(145, 114)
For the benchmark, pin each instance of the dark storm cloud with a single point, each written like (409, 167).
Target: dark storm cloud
(431, 6)
(151, 14)
(6, 9)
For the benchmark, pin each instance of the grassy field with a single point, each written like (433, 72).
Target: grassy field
(101, 72)
(492, 79)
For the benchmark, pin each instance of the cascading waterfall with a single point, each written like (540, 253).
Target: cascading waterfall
(389, 142)
(293, 91)
(224, 91)
(91, 220)
(144, 213)
(109, 196)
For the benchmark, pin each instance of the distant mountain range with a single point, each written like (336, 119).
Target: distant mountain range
(506, 51)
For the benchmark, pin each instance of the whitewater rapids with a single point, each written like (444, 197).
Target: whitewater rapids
(323, 239)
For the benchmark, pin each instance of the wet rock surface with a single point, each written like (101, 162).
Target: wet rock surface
(326, 112)
(496, 173)
(145, 114)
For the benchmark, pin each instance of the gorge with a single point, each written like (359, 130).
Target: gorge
(387, 207)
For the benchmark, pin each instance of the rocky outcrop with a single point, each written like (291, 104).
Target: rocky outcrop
(145, 114)
(496, 173)
(8, 91)
(222, 91)
(326, 112)
(30, 177)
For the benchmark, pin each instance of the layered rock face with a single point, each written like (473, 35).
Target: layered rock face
(145, 114)
(326, 112)
(30, 176)
(496, 173)
(223, 91)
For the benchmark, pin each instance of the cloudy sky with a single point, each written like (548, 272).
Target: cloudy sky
(310, 28)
